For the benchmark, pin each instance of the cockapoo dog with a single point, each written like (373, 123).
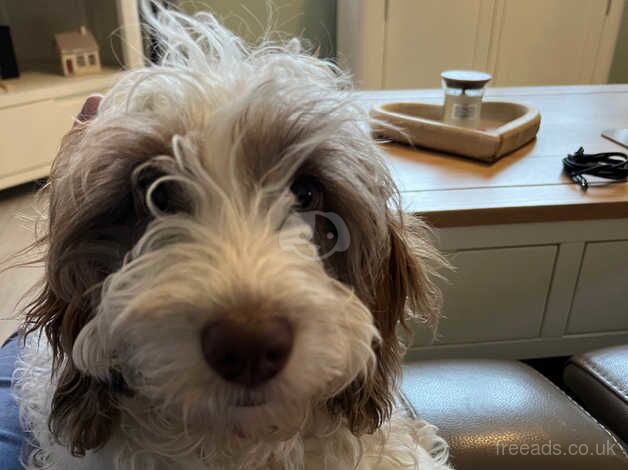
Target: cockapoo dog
(228, 273)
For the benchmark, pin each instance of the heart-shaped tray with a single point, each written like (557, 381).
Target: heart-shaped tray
(503, 127)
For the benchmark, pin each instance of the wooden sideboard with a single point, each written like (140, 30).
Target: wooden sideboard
(541, 268)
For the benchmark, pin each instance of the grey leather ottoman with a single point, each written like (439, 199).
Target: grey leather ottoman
(599, 380)
(505, 415)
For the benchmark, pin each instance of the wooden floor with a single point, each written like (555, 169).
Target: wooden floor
(17, 214)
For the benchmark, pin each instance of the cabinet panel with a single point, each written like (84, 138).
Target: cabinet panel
(408, 43)
(546, 42)
(425, 37)
(495, 294)
(30, 134)
(601, 299)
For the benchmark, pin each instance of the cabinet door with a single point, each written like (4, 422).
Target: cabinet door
(494, 294)
(425, 37)
(546, 42)
(600, 303)
(30, 136)
(24, 141)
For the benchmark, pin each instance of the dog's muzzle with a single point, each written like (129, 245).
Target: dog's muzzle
(248, 354)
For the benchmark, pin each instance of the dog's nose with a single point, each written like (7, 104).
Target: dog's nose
(248, 354)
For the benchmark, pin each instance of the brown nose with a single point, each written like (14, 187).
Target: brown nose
(248, 354)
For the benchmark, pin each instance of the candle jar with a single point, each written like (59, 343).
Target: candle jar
(464, 90)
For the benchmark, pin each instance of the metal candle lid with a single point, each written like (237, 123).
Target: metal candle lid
(465, 79)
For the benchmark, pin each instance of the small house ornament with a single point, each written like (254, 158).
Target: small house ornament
(78, 51)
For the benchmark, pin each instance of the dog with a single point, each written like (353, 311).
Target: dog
(229, 275)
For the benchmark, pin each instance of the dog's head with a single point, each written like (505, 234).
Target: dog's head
(226, 250)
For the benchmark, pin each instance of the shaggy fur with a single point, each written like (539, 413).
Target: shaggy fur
(174, 207)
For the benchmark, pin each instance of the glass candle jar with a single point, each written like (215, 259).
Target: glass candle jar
(464, 90)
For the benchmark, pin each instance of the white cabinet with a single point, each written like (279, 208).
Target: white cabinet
(531, 290)
(39, 107)
(425, 37)
(407, 43)
(495, 294)
(600, 302)
(550, 42)
(25, 142)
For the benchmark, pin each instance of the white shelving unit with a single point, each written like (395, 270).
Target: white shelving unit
(37, 86)
(38, 108)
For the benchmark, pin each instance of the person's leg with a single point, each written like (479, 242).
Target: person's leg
(11, 435)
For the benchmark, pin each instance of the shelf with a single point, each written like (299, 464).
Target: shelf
(34, 86)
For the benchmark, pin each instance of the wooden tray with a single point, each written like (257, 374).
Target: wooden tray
(504, 127)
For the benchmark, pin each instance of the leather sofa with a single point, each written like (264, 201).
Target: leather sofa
(599, 380)
(505, 415)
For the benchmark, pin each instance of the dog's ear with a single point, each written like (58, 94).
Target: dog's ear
(93, 220)
(408, 289)
(83, 410)
(404, 290)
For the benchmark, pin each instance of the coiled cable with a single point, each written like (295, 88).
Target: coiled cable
(609, 165)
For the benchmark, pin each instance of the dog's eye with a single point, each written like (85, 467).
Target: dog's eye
(160, 198)
(308, 193)
(166, 196)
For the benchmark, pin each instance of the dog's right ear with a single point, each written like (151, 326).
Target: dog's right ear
(93, 220)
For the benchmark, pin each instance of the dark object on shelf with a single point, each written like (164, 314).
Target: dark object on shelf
(8, 63)
(609, 165)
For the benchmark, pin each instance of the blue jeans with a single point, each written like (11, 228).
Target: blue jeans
(11, 434)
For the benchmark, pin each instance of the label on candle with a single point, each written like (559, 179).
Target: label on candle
(465, 111)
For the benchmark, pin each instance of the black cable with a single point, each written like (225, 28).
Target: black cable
(609, 165)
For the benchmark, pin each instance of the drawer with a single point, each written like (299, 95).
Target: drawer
(30, 134)
(494, 294)
(601, 299)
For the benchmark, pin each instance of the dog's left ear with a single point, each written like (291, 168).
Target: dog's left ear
(406, 289)
(95, 216)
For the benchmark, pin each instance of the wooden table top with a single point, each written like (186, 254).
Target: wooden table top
(528, 185)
